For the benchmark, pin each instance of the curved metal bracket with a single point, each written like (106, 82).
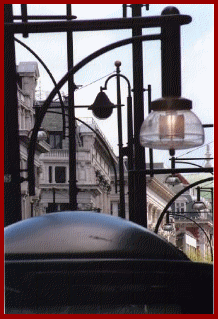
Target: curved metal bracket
(175, 197)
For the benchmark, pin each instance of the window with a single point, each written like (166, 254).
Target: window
(180, 207)
(60, 174)
(57, 207)
(55, 140)
(64, 206)
(52, 208)
(50, 174)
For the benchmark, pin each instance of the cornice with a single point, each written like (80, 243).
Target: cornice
(159, 188)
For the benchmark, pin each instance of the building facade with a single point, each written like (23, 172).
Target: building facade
(28, 75)
(93, 169)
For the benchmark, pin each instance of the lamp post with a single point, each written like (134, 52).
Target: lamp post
(72, 125)
(198, 205)
(138, 115)
(172, 179)
(210, 190)
(102, 108)
(171, 125)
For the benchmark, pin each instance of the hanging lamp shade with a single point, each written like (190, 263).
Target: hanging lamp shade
(102, 107)
(205, 211)
(198, 206)
(171, 125)
(172, 180)
(168, 227)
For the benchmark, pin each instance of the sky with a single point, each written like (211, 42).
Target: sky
(197, 56)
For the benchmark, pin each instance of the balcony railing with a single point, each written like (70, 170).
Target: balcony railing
(57, 153)
(200, 218)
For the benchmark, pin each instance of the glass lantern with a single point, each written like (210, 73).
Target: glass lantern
(171, 125)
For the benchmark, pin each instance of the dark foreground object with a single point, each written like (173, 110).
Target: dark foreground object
(94, 263)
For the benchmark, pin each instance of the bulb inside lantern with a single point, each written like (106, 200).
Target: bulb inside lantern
(171, 129)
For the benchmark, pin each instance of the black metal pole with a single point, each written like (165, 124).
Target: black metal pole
(72, 122)
(198, 194)
(120, 144)
(130, 143)
(191, 159)
(12, 192)
(131, 190)
(175, 171)
(150, 149)
(124, 10)
(24, 17)
(95, 25)
(173, 164)
(140, 216)
(193, 164)
(171, 56)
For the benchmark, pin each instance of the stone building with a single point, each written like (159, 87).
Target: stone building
(94, 165)
(28, 74)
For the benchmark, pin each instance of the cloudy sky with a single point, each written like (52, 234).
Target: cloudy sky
(197, 49)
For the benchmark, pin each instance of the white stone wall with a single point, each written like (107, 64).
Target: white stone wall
(92, 160)
(28, 72)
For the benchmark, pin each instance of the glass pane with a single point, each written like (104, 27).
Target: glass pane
(52, 141)
(60, 174)
(57, 141)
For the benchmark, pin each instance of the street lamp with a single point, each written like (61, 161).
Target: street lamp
(102, 108)
(168, 226)
(171, 124)
(198, 205)
(210, 190)
(172, 128)
(172, 180)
